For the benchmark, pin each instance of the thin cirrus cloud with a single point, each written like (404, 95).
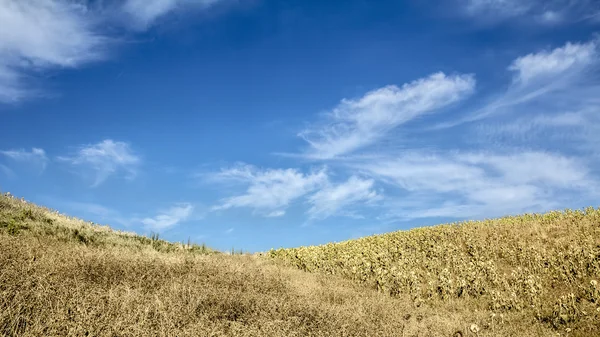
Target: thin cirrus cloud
(105, 159)
(164, 219)
(481, 184)
(335, 199)
(552, 102)
(545, 12)
(32, 38)
(504, 8)
(562, 79)
(269, 192)
(170, 217)
(528, 144)
(574, 57)
(145, 12)
(36, 157)
(357, 123)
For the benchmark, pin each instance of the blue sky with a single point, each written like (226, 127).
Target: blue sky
(261, 124)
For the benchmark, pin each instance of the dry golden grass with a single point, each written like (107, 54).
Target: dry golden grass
(542, 266)
(65, 277)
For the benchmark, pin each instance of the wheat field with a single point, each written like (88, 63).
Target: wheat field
(533, 275)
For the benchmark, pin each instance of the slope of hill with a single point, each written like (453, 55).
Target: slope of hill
(545, 266)
(61, 276)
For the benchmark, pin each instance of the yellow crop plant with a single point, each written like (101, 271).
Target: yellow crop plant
(547, 265)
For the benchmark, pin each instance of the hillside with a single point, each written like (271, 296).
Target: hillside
(61, 276)
(542, 266)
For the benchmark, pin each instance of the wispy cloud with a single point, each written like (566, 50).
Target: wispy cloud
(170, 217)
(537, 11)
(551, 103)
(32, 39)
(145, 12)
(39, 35)
(552, 99)
(562, 79)
(275, 214)
(164, 219)
(335, 199)
(104, 159)
(36, 157)
(269, 192)
(357, 123)
(544, 65)
(504, 8)
(481, 184)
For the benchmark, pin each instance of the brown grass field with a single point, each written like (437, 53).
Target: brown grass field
(534, 275)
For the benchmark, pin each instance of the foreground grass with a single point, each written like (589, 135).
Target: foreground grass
(66, 277)
(544, 267)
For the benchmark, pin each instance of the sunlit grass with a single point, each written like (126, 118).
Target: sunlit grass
(545, 266)
(534, 275)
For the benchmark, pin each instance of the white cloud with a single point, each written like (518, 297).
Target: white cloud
(229, 231)
(39, 35)
(503, 8)
(276, 214)
(550, 17)
(572, 56)
(170, 217)
(420, 172)
(561, 120)
(546, 83)
(481, 184)
(42, 34)
(36, 157)
(356, 123)
(537, 11)
(269, 191)
(11, 88)
(551, 104)
(544, 131)
(145, 12)
(333, 200)
(105, 158)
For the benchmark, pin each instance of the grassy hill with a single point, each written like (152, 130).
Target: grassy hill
(60, 276)
(542, 266)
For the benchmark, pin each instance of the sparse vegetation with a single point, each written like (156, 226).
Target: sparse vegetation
(20, 217)
(60, 276)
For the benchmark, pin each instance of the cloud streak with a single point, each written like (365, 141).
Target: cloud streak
(36, 157)
(144, 13)
(546, 65)
(544, 12)
(40, 35)
(269, 192)
(33, 39)
(531, 147)
(562, 78)
(477, 184)
(105, 159)
(356, 123)
(169, 218)
(335, 199)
